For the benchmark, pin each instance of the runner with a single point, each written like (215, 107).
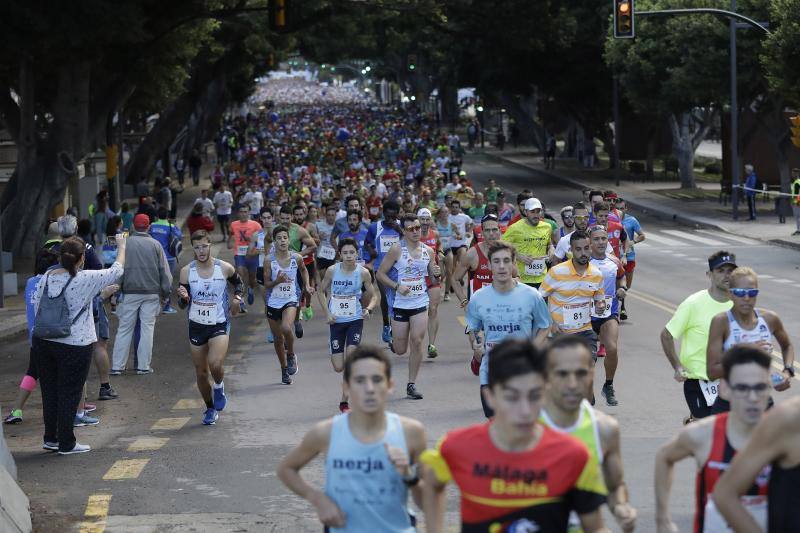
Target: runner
(412, 261)
(691, 323)
(714, 441)
(531, 237)
(581, 217)
(774, 444)
(382, 235)
(514, 473)
(240, 232)
(358, 233)
(261, 242)
(569, 367)
(461, 225)
(567, 223)
(342, 287)
(617, 236)
(445, 232)
(300, 241)
(635, 235)
(362, 491)
(504, 307)
(223, 201)
(606, 324)
(281, 276)
(326, 252)
(430, 237)
(744, 324)
(573, 290)
(202, 289)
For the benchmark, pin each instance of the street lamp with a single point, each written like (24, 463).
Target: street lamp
(479, 109)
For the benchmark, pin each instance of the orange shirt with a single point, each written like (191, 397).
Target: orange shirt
(241, 232)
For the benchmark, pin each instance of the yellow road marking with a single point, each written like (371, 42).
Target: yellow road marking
(126, 469)
(462, 321)
(640, 297)
(169, 423)
(146, 444)
(96, 514)
(187, 403)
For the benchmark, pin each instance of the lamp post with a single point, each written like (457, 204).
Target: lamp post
(479, 109)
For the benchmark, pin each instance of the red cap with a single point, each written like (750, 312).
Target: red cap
(141, 221)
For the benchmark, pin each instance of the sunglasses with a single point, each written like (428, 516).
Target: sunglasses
(581, 218)
(416, 227)
(741, 293)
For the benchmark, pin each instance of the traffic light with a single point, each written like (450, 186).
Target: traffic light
(623, 19)
(795, 120)
(277, 14)
(412, 62)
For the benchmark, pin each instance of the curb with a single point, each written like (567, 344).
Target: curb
(17, 325)
(680, 218)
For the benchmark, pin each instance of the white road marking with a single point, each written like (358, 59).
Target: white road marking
(735, 238)
(765, 276)
(653, 236)
(679, 255)
(692, 237)
(781, 280)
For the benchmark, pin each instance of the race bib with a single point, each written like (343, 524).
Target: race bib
(343, 306)
(538, 267)
(241, 250)
(326, 252)
(387, 241)
(283, 291)
(575, 316)
(416, 286)
(203, 313)
(755, 505)
(607, 311)
(710, 391)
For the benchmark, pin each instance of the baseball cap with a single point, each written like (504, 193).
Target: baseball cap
(424, 212)
(532, 203)
(141, 221)
(718, 261)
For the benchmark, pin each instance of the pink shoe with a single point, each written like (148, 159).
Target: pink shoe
(601, 351)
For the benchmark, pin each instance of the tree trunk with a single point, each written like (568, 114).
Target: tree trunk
(651, 155)
(449, 96)
(606, 135)
(207, 115)
(774, 123)
(682, 149)
(522, 110)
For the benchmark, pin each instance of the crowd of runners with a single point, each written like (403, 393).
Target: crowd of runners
(345, 211)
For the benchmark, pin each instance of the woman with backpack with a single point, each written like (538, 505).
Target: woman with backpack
(63, 337)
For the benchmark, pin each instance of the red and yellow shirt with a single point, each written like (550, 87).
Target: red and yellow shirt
(501, 491)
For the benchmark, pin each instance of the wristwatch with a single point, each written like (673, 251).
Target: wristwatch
(412, 478)
(789, 369)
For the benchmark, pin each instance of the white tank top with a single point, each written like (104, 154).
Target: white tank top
(260, 247)
(209, 296)
(286, 292)
(739, 335)
(411, 272)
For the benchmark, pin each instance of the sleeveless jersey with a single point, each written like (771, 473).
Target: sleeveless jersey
(209, 297)
(612, 270)
(444, 235)
(345, 302)
(739, 335)
(326, 250)
(384, 239)
(286, 292)
(260, 238)
(411, 272)
(707, 517)
(362, 482)
(481, 276)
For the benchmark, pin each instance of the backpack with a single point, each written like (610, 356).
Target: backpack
(175, 245)
(52, 319)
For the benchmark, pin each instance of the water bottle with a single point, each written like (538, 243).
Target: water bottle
(776, 379)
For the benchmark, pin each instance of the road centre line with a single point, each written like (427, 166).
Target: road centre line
(147, 444)
(188, 403)
(126, 469)
(96, 514)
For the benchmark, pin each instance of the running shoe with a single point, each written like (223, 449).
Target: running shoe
(15, 417)
(344, 407)
(107, 394)
(307, 313)
(387, 334)
(85, 420)
(169, 310)
(298, 329)
(291, 364)
(89, 407)
(251, 297)
(623, 314)
(115, 372)
(210, 418)
(220, 400)
(601, 350)
(285, 378)
(50, 446)
(609, 395)
(78, 448)
(433, 353)
(446, 297)
(144, 371)
(270, 336)
(475, 366)
(412, 392)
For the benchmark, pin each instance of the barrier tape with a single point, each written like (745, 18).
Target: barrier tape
(762, 191)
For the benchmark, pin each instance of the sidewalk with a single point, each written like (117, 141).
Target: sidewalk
(664, 199)
(12, 316)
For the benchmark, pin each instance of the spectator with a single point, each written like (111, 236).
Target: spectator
(195, 162)
(751, 184)
(174, 190)
(85, 231)
(126, 216)
(199, 220)
(63, 363)
(167, 234)
(142, 188)
(180, 169)
(145, 279)
(148, 208)
(164, 194)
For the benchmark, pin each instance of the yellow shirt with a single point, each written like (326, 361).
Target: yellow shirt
(533, 241)
(570, 295)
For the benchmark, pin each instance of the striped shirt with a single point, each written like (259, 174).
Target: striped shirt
(563, 286)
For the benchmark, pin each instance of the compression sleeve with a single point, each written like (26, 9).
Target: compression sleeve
(238, 284)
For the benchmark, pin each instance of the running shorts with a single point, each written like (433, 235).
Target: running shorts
(223, 220)
(324, 264)
(200, 334)
(630, 266)
(250, 263)
(597, 323)
(276, 313)
(404, 315)
(345, 334)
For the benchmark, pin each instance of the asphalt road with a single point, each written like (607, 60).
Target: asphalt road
(154, 467)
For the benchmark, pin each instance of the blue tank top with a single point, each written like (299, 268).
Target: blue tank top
(345, 303)
(362, 481)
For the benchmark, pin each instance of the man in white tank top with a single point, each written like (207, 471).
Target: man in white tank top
(408, 296)
(744, 324)
(371, 455)
(203, 289)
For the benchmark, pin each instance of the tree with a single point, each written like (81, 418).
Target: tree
(781, 50)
